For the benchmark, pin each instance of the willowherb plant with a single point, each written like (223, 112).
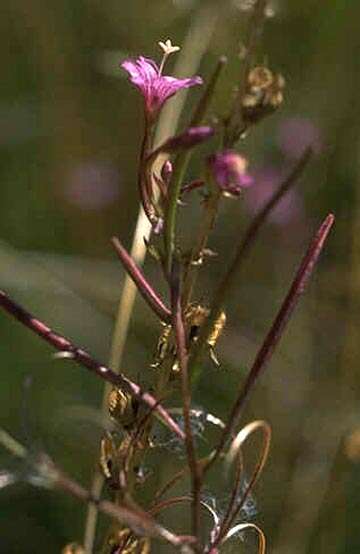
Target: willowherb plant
(190, 328)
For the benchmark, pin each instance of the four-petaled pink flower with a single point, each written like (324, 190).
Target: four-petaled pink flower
(155, 87)
(229, 171)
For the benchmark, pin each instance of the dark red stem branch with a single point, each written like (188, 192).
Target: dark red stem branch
(277, 328)
(84, 359)
(145, 289)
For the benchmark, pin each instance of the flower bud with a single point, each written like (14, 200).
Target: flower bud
(188, 139)
(229, 172)
(166, 172)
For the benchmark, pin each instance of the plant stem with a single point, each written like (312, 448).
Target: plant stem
(277, 329)
(81, 357)
(204, 103)
(230, 278)
(195, 45)
(145, 289)
(137, 519)
(182, 161)
(234, 121)
(180, 165)
(207, 225)
(12, 445)
(182, 355)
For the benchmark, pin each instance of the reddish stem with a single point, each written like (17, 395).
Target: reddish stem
(277, 329)
(84, 359)
(145, 289)
(143, 184)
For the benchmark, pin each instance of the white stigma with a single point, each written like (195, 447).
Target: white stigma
(168, 48)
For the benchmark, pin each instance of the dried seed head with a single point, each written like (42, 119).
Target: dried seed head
(263, 94)
(260, 78)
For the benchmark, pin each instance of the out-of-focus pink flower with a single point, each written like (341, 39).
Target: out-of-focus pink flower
(92, 185)
(266, 182)
(229, 171)
(296, 134)
(155, 87)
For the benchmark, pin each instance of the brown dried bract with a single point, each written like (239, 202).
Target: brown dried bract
(124, 541)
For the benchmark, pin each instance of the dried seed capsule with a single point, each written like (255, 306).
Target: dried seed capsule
(107, 455)
(195, 317)
(164, 347)
(127, 543)
(217, 329)
(113, 456)
(122, 407)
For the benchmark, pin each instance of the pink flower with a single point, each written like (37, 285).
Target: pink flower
(229, 171)
(295, 134)
(155, 87)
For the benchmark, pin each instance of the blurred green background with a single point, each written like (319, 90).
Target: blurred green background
(70, 128)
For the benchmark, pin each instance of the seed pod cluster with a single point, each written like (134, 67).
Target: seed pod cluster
(263, 94)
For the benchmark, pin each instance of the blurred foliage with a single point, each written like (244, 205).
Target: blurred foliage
(69, 139)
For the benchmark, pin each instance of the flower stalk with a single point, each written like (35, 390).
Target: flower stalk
(229, 281)
(183, 357)
(81, 357)
(144, 288)
(277, 328)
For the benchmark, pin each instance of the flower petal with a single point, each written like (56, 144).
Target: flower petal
(143, 72)
(229, 171)
(155, 88)
(164, 87)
